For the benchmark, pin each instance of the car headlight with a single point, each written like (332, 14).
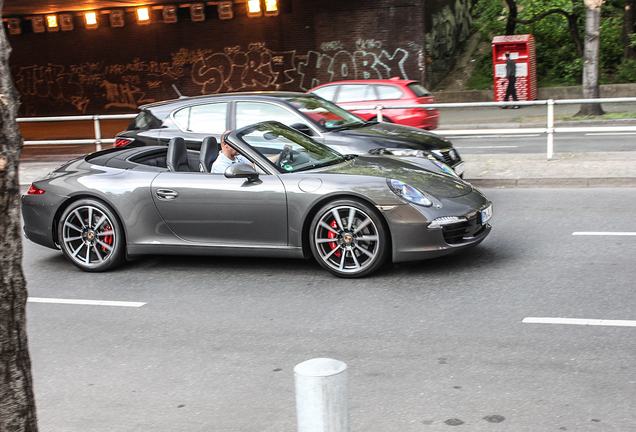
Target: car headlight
(409, 193)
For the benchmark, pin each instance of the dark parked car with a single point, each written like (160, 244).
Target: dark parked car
(394, 91)
(196, 117)
(299, 199)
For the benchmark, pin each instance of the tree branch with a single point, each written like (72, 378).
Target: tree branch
(572, 25)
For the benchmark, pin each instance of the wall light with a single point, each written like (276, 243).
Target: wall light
(51, 23)
(117, 18)
(254, 8)
(14, 26)
(170, 14)
(197, 12)
(38, 24)
(271, 8)
(66, 22)
(91, 20)
(225, 10)
(143, 15)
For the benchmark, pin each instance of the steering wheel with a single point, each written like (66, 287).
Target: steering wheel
(286, 157)
(322, 122)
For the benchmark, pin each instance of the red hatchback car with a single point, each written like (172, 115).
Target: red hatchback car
(394, 91)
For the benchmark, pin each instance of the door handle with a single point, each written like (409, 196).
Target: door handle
(167, 194)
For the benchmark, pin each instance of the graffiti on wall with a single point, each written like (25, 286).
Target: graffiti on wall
(98, 85)
(449, 28)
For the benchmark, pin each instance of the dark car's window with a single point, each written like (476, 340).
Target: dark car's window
(418, 90)
(356, 93)
(386, 92)
(329, 115)
(207, 118)
(144, 121)
(248, 113)
(327, 92)
(272, 140)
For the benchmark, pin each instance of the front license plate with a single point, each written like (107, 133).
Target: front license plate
(459, 168)
(486, 214)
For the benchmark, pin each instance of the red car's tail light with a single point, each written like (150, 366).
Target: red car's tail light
(35, 191)
(120, 142)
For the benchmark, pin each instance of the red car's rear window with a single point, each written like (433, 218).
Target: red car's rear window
(419, 90)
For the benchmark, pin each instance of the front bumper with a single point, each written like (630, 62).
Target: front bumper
(414, 238)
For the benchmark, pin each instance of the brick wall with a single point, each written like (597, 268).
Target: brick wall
(114, 70)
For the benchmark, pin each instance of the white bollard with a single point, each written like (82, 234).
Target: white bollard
(322, 396)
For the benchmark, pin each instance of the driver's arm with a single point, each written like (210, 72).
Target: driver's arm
(274, 158)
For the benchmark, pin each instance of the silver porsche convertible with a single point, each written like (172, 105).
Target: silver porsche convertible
(296, 198)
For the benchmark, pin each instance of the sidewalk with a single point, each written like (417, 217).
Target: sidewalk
(606, 169)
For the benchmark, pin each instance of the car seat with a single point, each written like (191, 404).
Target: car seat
(208, 154)
(177, 158)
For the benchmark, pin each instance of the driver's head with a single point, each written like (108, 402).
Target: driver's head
(226, 149)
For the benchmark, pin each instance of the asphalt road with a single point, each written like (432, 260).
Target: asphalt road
(429, 346)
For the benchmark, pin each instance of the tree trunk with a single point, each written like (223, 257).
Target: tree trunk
(17, 402)
(511, 23)
(628, 28)
(591, 89)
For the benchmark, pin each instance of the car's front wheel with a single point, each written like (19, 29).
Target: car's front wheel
(348, 238)
(90, 235)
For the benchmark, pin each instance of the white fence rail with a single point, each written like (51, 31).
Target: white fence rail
(98, 141)
(549, 129)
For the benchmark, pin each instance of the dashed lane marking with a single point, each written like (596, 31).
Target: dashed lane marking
(483, 147)
(600, 233)
(85, 302)
(579, 321)
(609, 133)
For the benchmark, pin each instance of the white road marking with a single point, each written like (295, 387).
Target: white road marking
(498, 136)
(85, 302)
(599, 233)
(485, 147)
(610, 133)
(578, 321)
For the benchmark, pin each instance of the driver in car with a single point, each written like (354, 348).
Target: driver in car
(227, 156)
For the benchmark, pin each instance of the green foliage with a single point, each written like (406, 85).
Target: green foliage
(558, 62)
(482, 77)
(626, 72)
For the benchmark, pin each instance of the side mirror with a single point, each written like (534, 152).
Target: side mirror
(301, 127)
(241, 170)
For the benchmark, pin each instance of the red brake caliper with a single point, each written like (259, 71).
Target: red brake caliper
(107, 239)
(331, 235)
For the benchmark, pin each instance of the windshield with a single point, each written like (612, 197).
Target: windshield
(287, 149)
(330, 116)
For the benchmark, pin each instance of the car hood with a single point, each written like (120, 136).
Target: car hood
(437, 184)
(389, 135)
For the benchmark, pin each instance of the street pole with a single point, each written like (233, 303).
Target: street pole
(322, 396)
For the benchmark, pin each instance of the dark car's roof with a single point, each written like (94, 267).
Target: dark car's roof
(252, 95)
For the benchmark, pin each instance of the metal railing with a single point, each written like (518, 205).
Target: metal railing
(550, 130)
(96, 124)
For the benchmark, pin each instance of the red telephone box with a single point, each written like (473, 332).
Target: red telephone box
(522, 51)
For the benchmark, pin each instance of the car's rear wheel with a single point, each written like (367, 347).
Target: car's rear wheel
(348, 238)
(90, 236)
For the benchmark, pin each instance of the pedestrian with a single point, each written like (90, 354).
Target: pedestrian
(510, 74)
